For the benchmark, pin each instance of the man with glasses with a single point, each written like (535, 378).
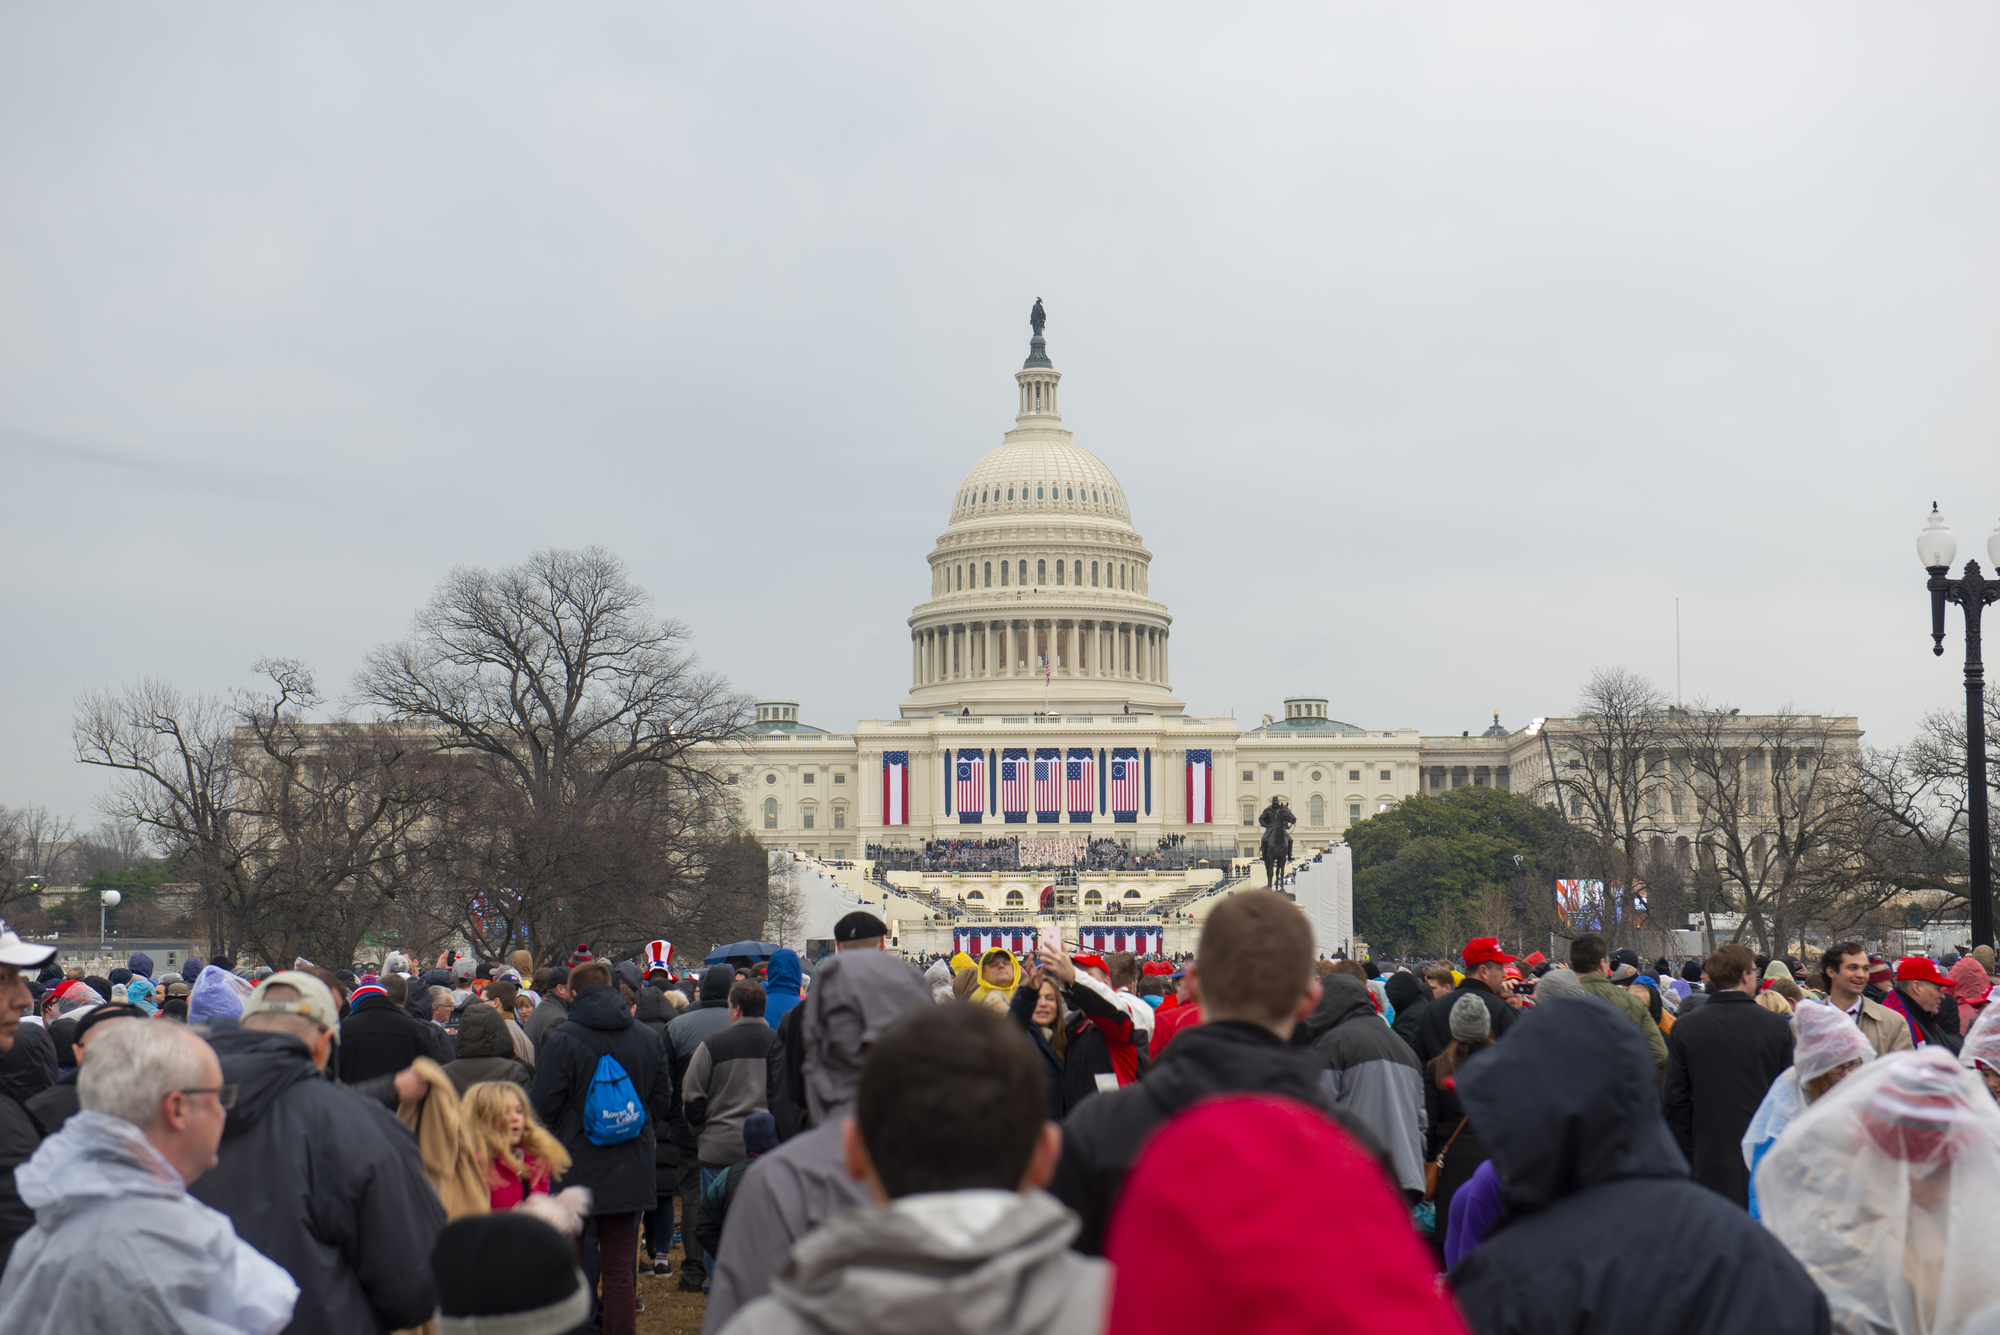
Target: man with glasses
(18, 1133)
(321, 1179)
(119, 1244)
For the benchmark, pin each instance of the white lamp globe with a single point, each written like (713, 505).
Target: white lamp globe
(112, 899)
(1936, 545)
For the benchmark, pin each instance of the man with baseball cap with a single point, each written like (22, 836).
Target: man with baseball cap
(860, 930)
(18, 1134)
(321, 1179)
(1485, 978)
(1920, 986)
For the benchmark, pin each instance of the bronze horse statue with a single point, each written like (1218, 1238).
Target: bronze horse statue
(1276, 849)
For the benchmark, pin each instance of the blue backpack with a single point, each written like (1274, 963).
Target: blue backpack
(612, 1113)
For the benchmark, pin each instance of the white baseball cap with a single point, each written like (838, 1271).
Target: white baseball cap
(22, 954)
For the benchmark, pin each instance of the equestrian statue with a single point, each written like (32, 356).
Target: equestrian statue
(1277, 821)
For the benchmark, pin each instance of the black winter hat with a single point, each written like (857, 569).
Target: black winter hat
(859, 926)
(1403, 989)
(483, 1033)
(507, 1265)
(1625, 955)
(716, 980)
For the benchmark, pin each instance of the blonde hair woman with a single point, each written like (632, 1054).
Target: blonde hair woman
(521, 1157)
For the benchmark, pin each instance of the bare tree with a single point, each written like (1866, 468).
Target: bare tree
(785, 903)
(588, 738)
(1611, 763)
(1774, 802)
(43, 842)
(13, 880)
(290, 829)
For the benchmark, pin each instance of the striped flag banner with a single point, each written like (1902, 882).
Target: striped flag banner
(895, 787)
(971, 775)
(976, 941)
(1125, 784)
(1080, 783)
(1014, 788)
(1138, 940)
(1048, 785)
(1200, 770)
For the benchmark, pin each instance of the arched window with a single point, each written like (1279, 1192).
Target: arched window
(989, 574)
(1318, 808)
(976, 894)
(1121, 576)
(1059, 572)
(1069, 493)
(1003, 574)
(1041, 573)
(1022, 576)
(1093, 574)
(961, 576)
(807, 811)
(770, 813)
(1010, 493)
(1092, 898)
(1131, 894)
(1015, 900)
(1038, 493)
(840, 815)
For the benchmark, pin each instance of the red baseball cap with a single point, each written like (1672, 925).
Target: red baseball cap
(1485, 950)
(1920, 969)
(1084, 959)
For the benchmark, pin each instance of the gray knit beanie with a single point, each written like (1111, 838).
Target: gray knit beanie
(1558, 983)
(1470, 1022)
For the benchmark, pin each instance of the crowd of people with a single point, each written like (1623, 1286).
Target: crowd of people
(1059, 1142)
(1044, 853)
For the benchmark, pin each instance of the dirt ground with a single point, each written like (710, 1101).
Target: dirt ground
(668, 1310)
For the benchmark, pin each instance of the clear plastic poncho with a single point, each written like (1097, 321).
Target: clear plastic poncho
(1884, 1191)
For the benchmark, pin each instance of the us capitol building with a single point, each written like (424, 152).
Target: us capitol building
(1041, 708)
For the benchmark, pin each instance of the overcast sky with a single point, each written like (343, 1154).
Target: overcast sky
(1451, 342)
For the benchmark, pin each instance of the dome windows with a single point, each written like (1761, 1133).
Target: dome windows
(1038, 493)
(1069, 493)
(1010, 493)
(1093, 574)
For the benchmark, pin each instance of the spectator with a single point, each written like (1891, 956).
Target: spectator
(1970, 988)
(1186, 1015)
(504, 995)
(1918, 997)
(726, 1084)
(1102, 1049)
(317, 1177)
(1244, 1184)
(1846, 967)
(951, 1110)
(1256, 961)
(1883, 1194)
(1557, 982)
(58, 1103)
(1725, 1057)
(993, 982)
(1567, 1110)
(485, 1051)
(1826, 1048)
(619, 1174)
(804, 1182)
(1374, 1075)
(1038, 1010)
(551, 1010)
(1410, 998)
(781, 985)
(1485, 978)
(119, 1245)
(1587, 960)
(1451, 1141)
(522, 1158)
(685, 1033)
(1981, 1051)
(1123, 975)
(18, 1133)
(377, 1038)
(655, 1012)
(760, 1137)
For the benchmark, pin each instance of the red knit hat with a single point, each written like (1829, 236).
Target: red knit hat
(1485, 950)
(581, 955)
(1248, 1184)
(1920, 969)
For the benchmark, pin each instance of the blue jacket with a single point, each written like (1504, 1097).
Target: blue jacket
(781, 985)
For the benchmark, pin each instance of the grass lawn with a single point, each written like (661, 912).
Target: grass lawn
(668, 1310)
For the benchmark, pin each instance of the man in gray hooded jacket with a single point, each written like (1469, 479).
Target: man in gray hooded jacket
(1371, 1073)
(950, 1133)
(790, 1191)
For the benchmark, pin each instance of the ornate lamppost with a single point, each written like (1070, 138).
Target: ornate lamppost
(1936, 546)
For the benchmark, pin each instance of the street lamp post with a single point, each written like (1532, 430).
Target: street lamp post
(109, 900)
(1936, 546)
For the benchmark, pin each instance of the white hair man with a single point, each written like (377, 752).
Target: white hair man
(118, 1244)
(319, 1178)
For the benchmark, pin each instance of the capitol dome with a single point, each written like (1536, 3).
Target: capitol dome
(1039, 583)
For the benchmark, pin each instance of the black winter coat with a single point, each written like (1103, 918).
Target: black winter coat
(1102, 1137)
(56, 1104)
(377, 1038)
(1568, 1112)
(327, 1184)
(1022, 1012)
(1721, 1061)
(620, 1177)
(654, 1013)
(1410, 1018)
(18, 1139)
(1434, 1029)
(1443, 1114)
